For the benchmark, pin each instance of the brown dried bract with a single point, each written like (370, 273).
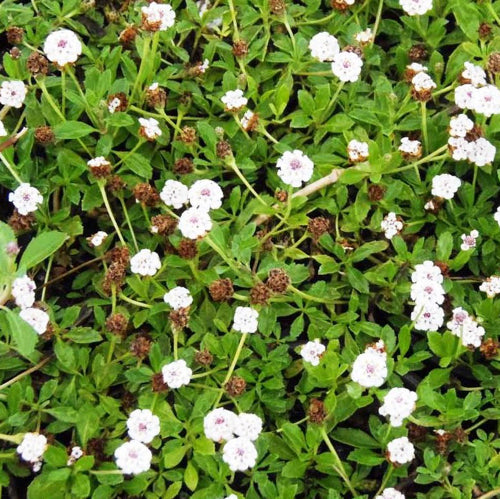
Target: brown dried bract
(44, 135)
(221, 289)
(489, 348)
(188, 135)
(278, 281)
(376, 192)
(188, 249)
(140, 346)
(156, 98)
(158, 384)
(21, 223)
(115, 184)
(15, 35)
(179, 318)
(165, 224)
(117, 324)
(235, 386)
(37, 64)
(318, 226)
(204, 357)
(223, 149)
(146, 194)
(127, 36)
(183, 166)
(123, 101)
(316, 411)
(418, 53)
(260, 294)
(240, 48)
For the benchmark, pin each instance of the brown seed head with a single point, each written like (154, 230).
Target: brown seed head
(118, 102)
(494, 62)
(44, 135)
(316, 411)
(115, 184)
(15, 35)
(127, 36)
(37, 64)
(163, 224)
(114, 278)
(188, 135)
(188, 249)
(240, 48)
(140, 346)
(119, 255)
(204, 357)
(183, 166)
(235, 386)
(179, 318)
(339, 5)
(158, 384)
(117, 324)
(416, 433)
(128, 400)
(318, 226)
(146, 194)
(15, 53)
(418, 53)
(281, 195)
(221, 289)
(277, 7)
(376, 192)
(156, 97)
(223, 149)
(260, 294)
(484, 30)
(278, 281)
(21, 223)
(489, 348)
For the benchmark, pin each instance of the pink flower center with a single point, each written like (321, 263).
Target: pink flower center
(62, 44)
(295, 164)
(205, 192)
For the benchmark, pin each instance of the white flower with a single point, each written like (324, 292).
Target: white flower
(415, 67)
(324, 46)
(114, 104)
(470, 332)
(174, 194)
(357, 151)
(26, 198)
(481, 152)
(459, 148)
(370, 368)
(203, 66)
(143, 425)
(249, 121)
(425, 291)
(98, 238)
(491, 286)
(176, 374)
(146, 262)
(400, 450)
(390, 493)
(294, 167)
(158, 16)
(416, 7)
(23, 291)
(427, 316)
(231, 496)
(458, 319)
(486, 100)
(76, 453)
(245, 320)
(445, 186)
(427, 271)
(234, 100)
(3, 132)
(391, 225)
(475, 74)
(411, 148)
(12, 93)
(194, 223)
(364, 37)
(464, 96)
(220, 424)
(312, 351)
(469, 241)
(460, 125)
(205, 194)
(149, 128)
(347, 66)
(399, 403)
(62, 47)
(98, 162)
(248, 426)
(178, 297)
(32, 447)
(496, 215)
(133, 457)
(240, 454)
(422, 82)
(36, 318)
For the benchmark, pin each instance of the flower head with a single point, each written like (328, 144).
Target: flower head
(133, 457)
(234, 100)
(149, 128)
(143, 425)
(98, 238)
(174, 194)
(460, 125)
(390, 493)
(469, 240)
(481, 152)
(400, 451)
(194, 223)
(12, 93)
(474, 75)
(391, 225)
(146, 262)
(312, 351)
(176, 374)
(370, 368)
(399, 403)
(205, 194)
(23, 291)
(347, 66)
(220, 424)
(240, 454)
(248, 426)
(32, 447)
(245, 320)
(26, 199)
(178, 297)
(416, 7)
(324, 46)
(294, 168)
(357, 151)
(36, 318)
(445, 186)
(62, 47)
(491, 286)
(157, 16)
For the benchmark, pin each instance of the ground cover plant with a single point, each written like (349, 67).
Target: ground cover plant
(249, 249)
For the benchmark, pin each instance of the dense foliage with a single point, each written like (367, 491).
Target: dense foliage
(322, 210)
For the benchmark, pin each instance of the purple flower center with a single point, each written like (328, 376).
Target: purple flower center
(295, 164)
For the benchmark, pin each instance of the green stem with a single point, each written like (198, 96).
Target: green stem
(231, 367)
(377, 21)
(497, 19)
(110, 212)
(263, 130)
(233, 17)
(47, 274)
(129, 223)
(474, 180)
(134, 302)
(15, 379)
(387, 476)
(10, 168)
(332, 102)
(63, 92)
(429, 157)
(144, 61)
(15, 439)
(423, 108)
(175, 333)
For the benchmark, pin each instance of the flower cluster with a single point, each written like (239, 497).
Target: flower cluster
(12, 93)
(32, 448)
(145, 263)
(234, 100)
(26, 199)
(312, 351)
(239, 432)
(428, 294)
(23, 292)
(416, 7)
(294, 168)
(176, 374)
(178, 297)
(391, 225)
(370, 368)
(445, 186)
(491, 286)
(245, 320)
(400, 451)
(466, 328)
(62, 47)
(399, 403)
(357, 151)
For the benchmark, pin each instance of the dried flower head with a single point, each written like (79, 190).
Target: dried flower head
(117, 324)
(146, 194)
(318, 226)
(235, 386)
(260, 294)
(221, 289)
(44, 135)
(278, 281)
(316, 411)
(140, 346)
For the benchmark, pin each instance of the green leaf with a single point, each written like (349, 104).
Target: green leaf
(44, 245)
(72, 130)
(444, 246)
(83, 335)
(191, 476)
(136, 163)
(87, 423)
(354, 437)
(24, 336)
(357, 280)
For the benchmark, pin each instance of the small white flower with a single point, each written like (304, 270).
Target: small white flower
(98, 162)
(3, 132)
(464, 96)
(481, 152)
(149, 128)
(231, 496)
(401, 450)
(32, 448)
(76, 453)
(146, 262)
(143, 425)
(427, 316)
(491, 286)
(206, 195)
(469, 240)
(194, 223)
(178, 297)
(364, 37)
(470, 332)
(245, 320)
(486, 100)
(347, 66)
(234, 100)
(203, 66)
(294, 168)
(158, 16)
(390, 493)
(23, 291)
(133, 457)
(114, 104)
(416, 7)
(459, 148)
(249, 121)
(427, 271)
(62, 47)
(312, 351)
(240, 454)
(415, 68)
(370, 368)
(458, 319)
(220, 424)
(496, 215)
(26, 198)
(391, 225)
(445, 186)
(425, 291)
(176, 374)
(12, 93)
(98, 238)
(248, 426)
(399, 403)
(324, 46)
(357, 151)
(475, 74)
(36, 318)
(174, 194)
(410, 148)
(460, 125)
(423, 82)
